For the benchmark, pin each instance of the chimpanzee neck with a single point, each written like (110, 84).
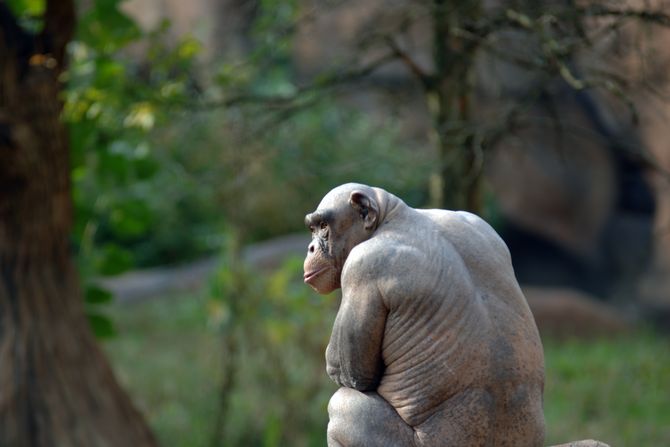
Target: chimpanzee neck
(389, 205)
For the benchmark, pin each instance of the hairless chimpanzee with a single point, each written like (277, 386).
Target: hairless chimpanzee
(433, 343)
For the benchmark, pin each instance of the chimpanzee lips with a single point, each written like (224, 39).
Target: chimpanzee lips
(313, 274)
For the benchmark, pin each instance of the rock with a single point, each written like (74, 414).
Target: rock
(160, 281)
(584, 443)
(565, 313)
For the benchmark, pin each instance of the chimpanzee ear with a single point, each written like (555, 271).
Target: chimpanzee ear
(366, 207)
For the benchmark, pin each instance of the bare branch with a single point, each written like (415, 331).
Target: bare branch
(319, 85)
(59, 23)
(646, 15)
(424, 78)
(509, 122)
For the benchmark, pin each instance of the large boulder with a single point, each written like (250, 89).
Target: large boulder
(565, 313)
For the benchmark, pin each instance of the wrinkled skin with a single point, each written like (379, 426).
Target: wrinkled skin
(433, 344)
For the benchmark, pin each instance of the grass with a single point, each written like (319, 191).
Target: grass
(169, 361)
(614, 390)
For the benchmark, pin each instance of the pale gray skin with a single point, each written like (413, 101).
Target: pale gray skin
(434, 343)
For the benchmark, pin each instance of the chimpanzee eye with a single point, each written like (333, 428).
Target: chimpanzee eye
(324, 225)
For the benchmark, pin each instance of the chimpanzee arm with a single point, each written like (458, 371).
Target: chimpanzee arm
(353, 356)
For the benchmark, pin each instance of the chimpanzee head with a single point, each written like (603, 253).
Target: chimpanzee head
(347, 216)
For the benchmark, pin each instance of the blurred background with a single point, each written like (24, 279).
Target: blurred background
(200, 133)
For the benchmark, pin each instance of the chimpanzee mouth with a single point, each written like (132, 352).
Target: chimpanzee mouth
(313, 274)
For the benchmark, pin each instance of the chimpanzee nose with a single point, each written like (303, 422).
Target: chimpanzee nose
(311, 247)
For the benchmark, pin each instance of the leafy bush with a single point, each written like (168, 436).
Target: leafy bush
(112, 106)
(158, 174)
(274, 331)
(158, 180)
(264, 180)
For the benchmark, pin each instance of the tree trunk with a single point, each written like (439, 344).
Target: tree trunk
(450, 95)
(56, 387)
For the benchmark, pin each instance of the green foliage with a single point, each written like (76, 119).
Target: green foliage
(155, 183)
(28, 12)
(104, 27)
(27, 7)
(101, 324)
(170, 361)
(96, 295)
(113, 105)
(95, 299)
(273, 329)
(267, 68)
(264, 176)
(327, 144)
(612, 390)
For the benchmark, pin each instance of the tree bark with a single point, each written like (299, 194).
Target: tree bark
(450, 96)
(56, 387)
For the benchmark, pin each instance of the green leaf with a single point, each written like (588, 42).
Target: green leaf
(109, 71)
(114, 165)
(131, 218)
(273, 432)
(188, 49)
(28, 13)
(145, 168)
(27, 7)
(142, 115)
(97, 295)
(101, 325)
(106, 28)
(114, 260)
